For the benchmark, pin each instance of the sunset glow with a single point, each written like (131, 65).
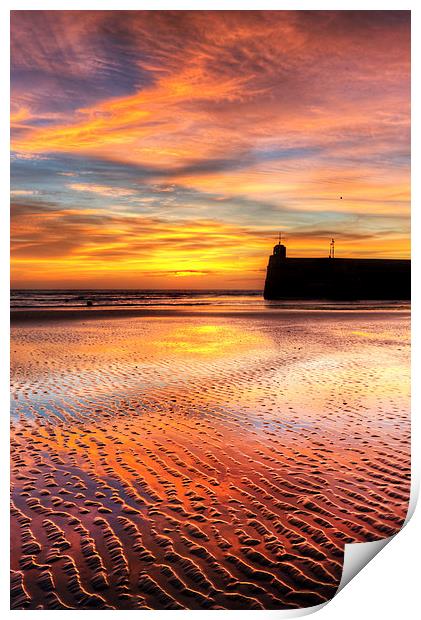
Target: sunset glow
(166, 149)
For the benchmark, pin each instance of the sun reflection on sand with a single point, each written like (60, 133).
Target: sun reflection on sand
(210, 340)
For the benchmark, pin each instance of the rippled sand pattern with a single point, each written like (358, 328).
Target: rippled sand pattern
(203, 463)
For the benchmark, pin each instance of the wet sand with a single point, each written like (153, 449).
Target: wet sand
(37, 315)
(203, 462)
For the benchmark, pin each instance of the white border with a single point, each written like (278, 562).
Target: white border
(389, 585)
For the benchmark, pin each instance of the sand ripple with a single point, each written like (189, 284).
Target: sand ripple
(226, 472)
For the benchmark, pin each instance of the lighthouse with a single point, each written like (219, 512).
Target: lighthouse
(280, 250)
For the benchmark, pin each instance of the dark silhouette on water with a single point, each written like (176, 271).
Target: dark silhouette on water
(336, 278)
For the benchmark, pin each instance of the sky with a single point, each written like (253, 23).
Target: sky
(166, 149)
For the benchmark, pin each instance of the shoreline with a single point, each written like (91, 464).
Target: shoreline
(58, 314)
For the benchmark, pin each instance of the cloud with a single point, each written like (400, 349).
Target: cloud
(22, 192)
(247, 120)
(232, 79)
(103, 190)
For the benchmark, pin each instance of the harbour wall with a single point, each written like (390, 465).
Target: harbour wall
(337, 278)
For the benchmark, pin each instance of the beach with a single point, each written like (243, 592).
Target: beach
(197, 459)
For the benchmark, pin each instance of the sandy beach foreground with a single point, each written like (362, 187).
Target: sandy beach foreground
(203, 462)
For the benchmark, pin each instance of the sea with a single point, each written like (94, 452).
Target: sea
(240, 299)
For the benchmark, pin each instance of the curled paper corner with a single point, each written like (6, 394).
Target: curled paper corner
(358, 555)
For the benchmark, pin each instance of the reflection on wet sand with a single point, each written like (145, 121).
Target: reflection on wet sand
(173, 463)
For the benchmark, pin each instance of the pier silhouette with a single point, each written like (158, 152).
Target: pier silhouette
(336, 278)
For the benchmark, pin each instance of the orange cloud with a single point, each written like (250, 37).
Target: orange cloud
(287, 109)
(63, 246)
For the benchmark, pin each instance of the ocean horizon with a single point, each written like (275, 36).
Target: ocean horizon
(160, 298)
